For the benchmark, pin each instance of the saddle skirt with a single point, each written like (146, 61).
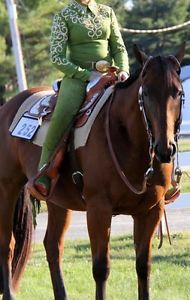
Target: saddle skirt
(32, 119)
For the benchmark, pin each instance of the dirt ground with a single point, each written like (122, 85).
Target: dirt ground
(178, 220)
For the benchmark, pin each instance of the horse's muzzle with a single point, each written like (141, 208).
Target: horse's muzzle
(165, 154)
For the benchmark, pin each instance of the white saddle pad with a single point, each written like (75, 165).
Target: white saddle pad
(32, 104)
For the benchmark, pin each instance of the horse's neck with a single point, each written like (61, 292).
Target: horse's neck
(127, 127)
(128, 114)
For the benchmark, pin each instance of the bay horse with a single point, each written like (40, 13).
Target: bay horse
(127, 166)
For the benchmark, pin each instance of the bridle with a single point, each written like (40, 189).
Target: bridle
(147, 123)
(148, 174)
(120, 172)
(142, 106)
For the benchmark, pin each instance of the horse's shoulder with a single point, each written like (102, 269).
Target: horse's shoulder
(35, 90)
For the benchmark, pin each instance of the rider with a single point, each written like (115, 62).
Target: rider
(88, 32)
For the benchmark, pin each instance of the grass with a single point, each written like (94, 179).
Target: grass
(184, 145)
(169, 278)
(185, 182)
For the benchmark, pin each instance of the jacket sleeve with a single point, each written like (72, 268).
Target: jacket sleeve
(58, 48)
(117, 47)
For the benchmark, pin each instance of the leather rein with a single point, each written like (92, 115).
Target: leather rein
(120, 172)
(148, 174)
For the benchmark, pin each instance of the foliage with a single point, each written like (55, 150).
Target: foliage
(6, 60)
(154, 14)
(35, 26)
(35, 19)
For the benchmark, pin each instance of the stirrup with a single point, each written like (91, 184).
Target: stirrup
(31, 184)
(33, 191)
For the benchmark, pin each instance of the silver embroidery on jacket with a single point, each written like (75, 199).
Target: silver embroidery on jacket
(75, 13)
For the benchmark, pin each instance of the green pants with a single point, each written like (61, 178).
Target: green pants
(71, 95)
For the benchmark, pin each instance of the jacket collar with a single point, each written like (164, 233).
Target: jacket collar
(92, 5)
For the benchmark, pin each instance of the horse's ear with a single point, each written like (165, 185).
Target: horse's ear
(181, 52)
(140, 55)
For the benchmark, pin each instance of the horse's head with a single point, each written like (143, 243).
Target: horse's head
(161, 95)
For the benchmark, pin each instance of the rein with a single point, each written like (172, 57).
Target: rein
(120, 172)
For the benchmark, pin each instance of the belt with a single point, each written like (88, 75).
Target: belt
(100, 65)
(89, 65)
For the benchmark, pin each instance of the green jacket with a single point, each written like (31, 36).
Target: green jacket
(82, 34)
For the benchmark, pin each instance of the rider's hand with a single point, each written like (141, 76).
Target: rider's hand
(122, 76)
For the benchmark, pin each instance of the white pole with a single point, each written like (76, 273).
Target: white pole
(21, 77)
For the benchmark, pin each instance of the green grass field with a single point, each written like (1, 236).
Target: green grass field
(170, 277)
(184, 145)
(185, 182)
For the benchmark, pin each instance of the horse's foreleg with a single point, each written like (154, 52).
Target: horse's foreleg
(144, 228)
(99, 223)
(58, 221)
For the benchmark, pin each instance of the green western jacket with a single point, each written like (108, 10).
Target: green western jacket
(82, 34)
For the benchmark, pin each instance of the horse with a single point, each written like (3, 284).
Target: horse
(127, 166)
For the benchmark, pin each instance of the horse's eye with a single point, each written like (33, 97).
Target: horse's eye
(179, 93)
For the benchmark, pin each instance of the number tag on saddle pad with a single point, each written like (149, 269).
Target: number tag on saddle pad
(26, 128)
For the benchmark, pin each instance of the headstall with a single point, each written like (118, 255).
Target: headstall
(177, 171)
(148, 174)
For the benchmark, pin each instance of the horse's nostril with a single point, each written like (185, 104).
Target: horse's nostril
(165, 154)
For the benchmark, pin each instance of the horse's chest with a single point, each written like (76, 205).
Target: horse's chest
(125, 204)
(131, 204)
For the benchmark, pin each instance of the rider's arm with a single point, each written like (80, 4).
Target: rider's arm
(58, 48)
(117, 47)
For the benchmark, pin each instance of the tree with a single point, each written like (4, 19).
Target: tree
(7, 77)
(35, 19)
(153, 14)
(35, 25)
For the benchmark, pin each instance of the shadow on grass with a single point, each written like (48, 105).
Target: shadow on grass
(122, 249)
(182, 260)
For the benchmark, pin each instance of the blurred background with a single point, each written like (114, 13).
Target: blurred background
(34, 18)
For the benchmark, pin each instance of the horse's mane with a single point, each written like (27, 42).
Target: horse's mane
(129, 81)
(164, 68)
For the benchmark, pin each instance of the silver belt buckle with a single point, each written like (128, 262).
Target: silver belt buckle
(102, 66)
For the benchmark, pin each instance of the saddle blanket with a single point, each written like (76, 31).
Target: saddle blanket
(28, 125)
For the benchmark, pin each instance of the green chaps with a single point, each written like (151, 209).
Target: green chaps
(70, 98)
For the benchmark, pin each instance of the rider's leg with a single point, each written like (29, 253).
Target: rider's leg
(71, 95)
